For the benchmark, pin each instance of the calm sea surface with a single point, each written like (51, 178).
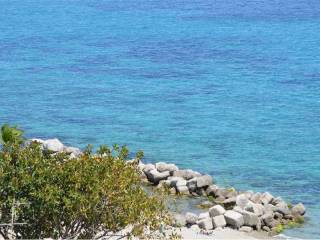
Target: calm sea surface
(230, 88)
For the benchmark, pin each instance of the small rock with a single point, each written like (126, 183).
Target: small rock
(246, 229)
(216, 211)
(206, 204)
(191, 218)
(266, 228)
(53, 145)
(219, 221)
(204, 181)
(205, 224)
(234, 218)
(298, 210)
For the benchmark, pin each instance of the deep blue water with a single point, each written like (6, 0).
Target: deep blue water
(231, 88)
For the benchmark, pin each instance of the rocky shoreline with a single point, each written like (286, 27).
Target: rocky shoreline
(244, 211)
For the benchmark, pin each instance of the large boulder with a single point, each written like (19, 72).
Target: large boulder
(186, 174)
(148, 167)
(282, 208)
(250, 219)
(216, 211)
(191, 218)
(204, 181)
(256, 197)
(162, 167)
(155, 177)
(205, 224)
(229, 203)
(234, 219)
(219, 221)
(53, 145)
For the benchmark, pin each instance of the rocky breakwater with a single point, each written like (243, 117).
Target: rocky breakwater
(245, 211)
(241, 210)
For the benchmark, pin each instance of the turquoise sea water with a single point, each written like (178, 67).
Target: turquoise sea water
(230, 88)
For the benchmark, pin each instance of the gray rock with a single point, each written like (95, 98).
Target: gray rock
(230, 202)
(186, 174)
(255, 208)
(234, 218)
(155, 177)
(266, 198)
(204, 181)
(192, 184)
(246, 229)
(53, 145)
(267, 219)
(219, 221)
(182, 189)
(250, 219)
(278, 215)
(203, 215)
(73, 150)
(242, 201)
(256, 197)
(205, 224)
(226, 193)
(276, 201)
(191, 218)
(162, 167)
(282, 208)
(298, 210)
(211, 190)
(216, 211)
(266, 228)
(148, 167)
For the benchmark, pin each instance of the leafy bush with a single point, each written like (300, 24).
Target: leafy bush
(54, 196)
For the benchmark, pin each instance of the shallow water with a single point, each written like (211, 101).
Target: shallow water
(230, 88)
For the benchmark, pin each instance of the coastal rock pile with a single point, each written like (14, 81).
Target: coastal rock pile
(245, 211)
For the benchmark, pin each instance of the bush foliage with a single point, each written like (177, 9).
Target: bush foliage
(54, 196)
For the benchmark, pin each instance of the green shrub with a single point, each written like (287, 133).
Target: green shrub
(279, 228)
(60, 197)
